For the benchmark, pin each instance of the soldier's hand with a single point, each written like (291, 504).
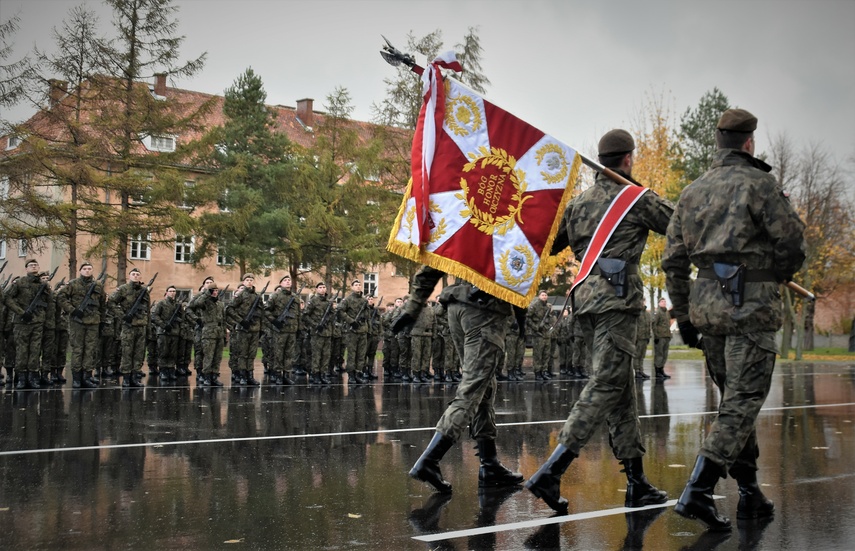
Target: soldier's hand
(402, 321)
(246, 324)
(689, 333)
(27, 317)
(77, 313)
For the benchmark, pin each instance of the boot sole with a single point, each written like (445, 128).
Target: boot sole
(558, 507)
(441, 489)
(684, 511)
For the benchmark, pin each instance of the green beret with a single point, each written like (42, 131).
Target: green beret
(737, 120)
(615, 142)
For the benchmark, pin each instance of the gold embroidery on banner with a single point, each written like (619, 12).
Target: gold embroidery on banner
(557, 167)
(489, 218)
(517, 264)
(410, 218)
(462, 115)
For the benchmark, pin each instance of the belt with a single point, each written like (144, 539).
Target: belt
(751, 276)
(631, 269)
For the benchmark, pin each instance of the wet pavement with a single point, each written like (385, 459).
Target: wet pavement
(325, 468)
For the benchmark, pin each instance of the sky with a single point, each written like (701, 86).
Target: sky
(573, 69)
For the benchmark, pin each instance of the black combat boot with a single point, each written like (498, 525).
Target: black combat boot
(62, 380)
(215, 379)
(133, 380)
(546, 482)
(641, 375)
(696, 500)
(752, 503)
(45, 379)
(661, 375)
(76, 379)
(639, 491)
(33, 380)
(501, 376)
(492, 473)
(285, 379)
(88, 381)
(354, 378)
(426, 468)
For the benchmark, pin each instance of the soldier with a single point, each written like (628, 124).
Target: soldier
(9, 349)
(233, 359)
(353, 311)
(564, 337)
(24, 299)
(318, 315)
(61, 348)
(151, 346)
(420, 345)
(514, 351)
(438, 346)
(246, 326)
(537, 324)
(84, 301)
(166, 317)
(390, 342)
(303, 354)
(133, 305)
(48, 334)
(375, 330)
(606, 303)
(477, 325)
(184, 349)
(283, 314)
(209, 314)
(661, 339)
(336, 364)
(642, 339)
(107, 342)
(198, 349)
(738, 227)
(581, 352)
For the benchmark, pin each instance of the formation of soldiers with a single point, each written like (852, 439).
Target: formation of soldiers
(313, 337)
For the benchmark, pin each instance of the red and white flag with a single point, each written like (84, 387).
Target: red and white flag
(487, 191)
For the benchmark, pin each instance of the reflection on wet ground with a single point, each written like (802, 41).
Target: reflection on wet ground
(325, 468)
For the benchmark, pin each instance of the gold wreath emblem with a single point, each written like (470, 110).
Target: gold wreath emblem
(556, 163)
(522, 261)
(461, 113)
(485, 221)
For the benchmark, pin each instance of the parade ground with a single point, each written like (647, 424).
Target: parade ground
(325, 467)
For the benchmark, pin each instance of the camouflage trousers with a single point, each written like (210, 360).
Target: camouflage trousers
(420, 352)
(244, 348)
(609, 394)
(741, 366)
(133, 348)
(167, 350)
(59, 359)
(85, 346)
(390, 353)
(660, 351)
(357, 344)
(541, 348)
(282, 348)
(321, 348)
(640, 353)
(581, 354)
(198, 351)
(212, 353)
(404, 339)
(514, 350)
(479, 338)
(48, 348)
(28, 345)
(371, 352)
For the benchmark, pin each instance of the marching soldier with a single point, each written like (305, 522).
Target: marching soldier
(133, 304)
(283, 315)
(23, 299)
(84, 301)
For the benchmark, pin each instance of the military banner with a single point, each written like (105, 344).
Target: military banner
(487, 192)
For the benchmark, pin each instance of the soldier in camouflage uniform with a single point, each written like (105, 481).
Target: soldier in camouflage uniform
(208, 312)
(738, 227)
(353, 310)
(28, 325)
(439, 344)
(642, 339)
(420, 345)
(661, 339)
(233, 359)
(84, 322)
(514, 351)
(609, 321)
(477, 325)
(336, 341)
(107, 342)
(9, 350)
(48, 334)
(564, 338)
(375, 330)
(246, 329)
(303, 359)
(537, 324)
(318, 315)
(283, 314)
(133, 305)
(581, 352)
(166, 317)
(390, 342)
(61, 336)
(186, 335)
(151, 346)
(198, 349)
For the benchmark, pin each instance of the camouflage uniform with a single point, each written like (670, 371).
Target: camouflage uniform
(661, 339)
(514, 350)
(316, 309)
(27, 335)
(208, 311)
(608, 321)
(336, 362)
(538, 321)
(420, 347)
(734, 213)
(107, 342)
(245, 333)
(133, 337)
(440, 344)
(642, 339)
(48, 338)
(61, 349)
(166, 317)
(283, 331)
(375, 330)
(84, 321)
(152, 355)
(390, 346)
(354, 313)
(564, 337)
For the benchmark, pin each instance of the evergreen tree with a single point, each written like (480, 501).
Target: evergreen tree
(697, 135)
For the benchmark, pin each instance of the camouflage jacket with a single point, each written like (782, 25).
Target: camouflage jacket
(238, 309)
(375, 328)
(461, 292)
(425, 323)
(734, 213)
(124, 298)
(354, 313)
(538, 319)
(71, 298)
(20, 295)
(661, 324)
(208, 312)
(316, 308)
(165, 310)
(596, 295)
(642, 325)
(276, 306)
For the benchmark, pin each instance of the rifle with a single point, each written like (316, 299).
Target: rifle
(37, 302)
(175, 312)
(58, 285)
(358, 317)
(77, 313)
(247, 320)
(286, 312)
(133, 311)
(323, 322)
(566, 300)
(6, 283)
(374, 313)
(3, 267)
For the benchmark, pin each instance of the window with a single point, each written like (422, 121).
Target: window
(2, 249)
(184, 248)
(186, 202)
(13, 142)
(223, 203)
(22, 248)
(159, 143)
(369, 284)
(223, 259)
(305, 267)
(140, 247)
(182, 295)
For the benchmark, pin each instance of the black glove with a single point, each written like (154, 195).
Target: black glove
(689, 333)
(246, 324)
(77, 313)
(655, 341)
(402, 321)
(278, 324)
(354, 325)
(27, 317)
